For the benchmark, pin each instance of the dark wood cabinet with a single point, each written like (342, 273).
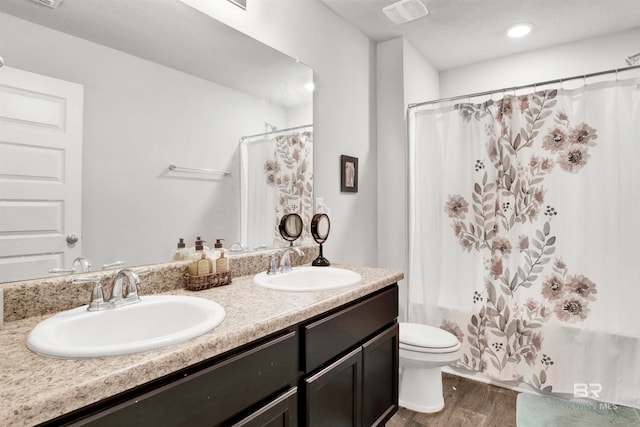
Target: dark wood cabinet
(359, 388)
(336, 369)
(334, 395)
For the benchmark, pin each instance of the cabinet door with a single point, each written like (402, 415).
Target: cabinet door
(333, 395)
(281, 412)
(380, 377)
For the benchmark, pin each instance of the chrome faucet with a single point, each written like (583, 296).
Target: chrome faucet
(117, 291)
(284, 265)
(79, 265)
(285, 260)
(118, 297)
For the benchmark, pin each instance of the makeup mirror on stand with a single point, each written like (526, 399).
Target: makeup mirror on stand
(290, 227)
(320, 226)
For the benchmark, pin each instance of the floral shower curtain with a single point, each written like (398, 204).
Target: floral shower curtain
(525, 238)
(277, 178)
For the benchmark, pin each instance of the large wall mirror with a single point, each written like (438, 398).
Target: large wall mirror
(100, 98)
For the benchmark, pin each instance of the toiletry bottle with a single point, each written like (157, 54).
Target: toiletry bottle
(181, 253)
(203, 265)
(222, 262)
(218, 246)
(196, 266)
(193, 265)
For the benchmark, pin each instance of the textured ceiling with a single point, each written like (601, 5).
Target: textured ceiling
(461, 32)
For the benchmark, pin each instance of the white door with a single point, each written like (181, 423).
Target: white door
(40, 173)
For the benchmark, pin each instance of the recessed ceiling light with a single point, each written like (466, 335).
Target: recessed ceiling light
(519, 30)
(309, 86)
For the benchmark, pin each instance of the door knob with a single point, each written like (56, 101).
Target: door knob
(72, 238)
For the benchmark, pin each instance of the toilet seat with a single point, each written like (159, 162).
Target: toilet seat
(430, 350)
(427, 339)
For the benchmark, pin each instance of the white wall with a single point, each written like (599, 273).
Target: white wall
(421, 79)
(139, 117)
(561, 61)
(343, 60)
(404, 77)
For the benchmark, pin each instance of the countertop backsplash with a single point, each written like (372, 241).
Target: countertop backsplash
(53, 294)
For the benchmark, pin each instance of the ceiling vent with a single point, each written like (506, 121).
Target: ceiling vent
(50, 3)
(405, 10)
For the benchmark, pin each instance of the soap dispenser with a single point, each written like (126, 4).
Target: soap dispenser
(222, 262)
(192, 249)
(201, 263)
(181, 253)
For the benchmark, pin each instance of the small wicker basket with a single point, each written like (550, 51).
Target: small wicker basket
(199, 283)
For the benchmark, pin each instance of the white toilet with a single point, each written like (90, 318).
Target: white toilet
(423, 351)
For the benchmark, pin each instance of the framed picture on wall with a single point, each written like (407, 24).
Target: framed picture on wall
(348, 174)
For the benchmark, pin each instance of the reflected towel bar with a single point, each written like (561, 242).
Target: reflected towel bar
(175, 168)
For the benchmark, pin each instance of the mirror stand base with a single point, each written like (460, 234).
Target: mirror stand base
(320, 261)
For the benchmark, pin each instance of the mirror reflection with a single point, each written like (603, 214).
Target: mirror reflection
(276, 176)
(116, 92)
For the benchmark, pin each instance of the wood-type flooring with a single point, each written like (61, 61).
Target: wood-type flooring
(467, 403)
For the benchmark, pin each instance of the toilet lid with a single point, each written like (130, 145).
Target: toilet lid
(418, 335)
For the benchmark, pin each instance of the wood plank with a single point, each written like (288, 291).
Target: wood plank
(466, 403)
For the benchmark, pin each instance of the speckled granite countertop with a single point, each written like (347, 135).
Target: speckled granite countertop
(34, 389)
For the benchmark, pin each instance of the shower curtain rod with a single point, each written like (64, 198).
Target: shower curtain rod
(490, 92)
(276, 131)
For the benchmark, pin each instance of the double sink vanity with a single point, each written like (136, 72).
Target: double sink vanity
(287, 349)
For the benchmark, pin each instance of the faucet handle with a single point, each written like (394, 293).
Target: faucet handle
(112, 265)
(273, 264)
(61, 270)
(143, 272)
(97, 296)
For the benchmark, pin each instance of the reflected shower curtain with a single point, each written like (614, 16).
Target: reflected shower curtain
(277, 179)
(525, 236)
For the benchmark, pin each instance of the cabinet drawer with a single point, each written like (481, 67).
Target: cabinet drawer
(332, 335)
(211, 396)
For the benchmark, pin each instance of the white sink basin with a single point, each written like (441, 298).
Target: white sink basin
(157, 321)
(302, 279)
